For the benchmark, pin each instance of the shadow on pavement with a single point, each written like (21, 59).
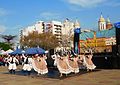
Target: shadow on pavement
(53, 73)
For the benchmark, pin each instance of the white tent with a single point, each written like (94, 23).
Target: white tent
(7, 52)
(2, 52)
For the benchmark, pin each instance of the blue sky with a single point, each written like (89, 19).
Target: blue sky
(17, 14)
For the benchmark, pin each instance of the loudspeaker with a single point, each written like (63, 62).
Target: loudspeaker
(114, 50)
(76, 37)
(77, 32)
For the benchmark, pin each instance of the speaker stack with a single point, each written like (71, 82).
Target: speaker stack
(117, 26)
(77, 32)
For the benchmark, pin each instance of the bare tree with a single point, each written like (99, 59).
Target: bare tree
(44, 40)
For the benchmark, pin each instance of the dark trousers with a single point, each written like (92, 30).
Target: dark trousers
(12, 71)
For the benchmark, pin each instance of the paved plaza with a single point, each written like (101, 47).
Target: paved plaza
(98, 77)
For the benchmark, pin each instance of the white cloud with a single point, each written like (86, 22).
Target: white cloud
(3, 12)
(2, 28)
(113, 4)
(50, 15)
(91, 3)
(85, 3)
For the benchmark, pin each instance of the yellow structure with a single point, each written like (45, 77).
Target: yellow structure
(98, 44)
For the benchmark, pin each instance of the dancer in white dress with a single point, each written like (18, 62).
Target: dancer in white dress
(12, 64)
(87, 60)
(40, 64)
(89, 63)
(27, 67)
(73, 64)
(81, 62)
(62, 64)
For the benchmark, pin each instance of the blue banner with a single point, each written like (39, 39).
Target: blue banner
(77, 30)
(117, 25)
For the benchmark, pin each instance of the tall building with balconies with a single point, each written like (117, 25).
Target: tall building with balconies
(28, 30)
(38, 26)
(68, 27)
(55, 27)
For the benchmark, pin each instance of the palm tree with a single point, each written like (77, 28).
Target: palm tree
(8, 38)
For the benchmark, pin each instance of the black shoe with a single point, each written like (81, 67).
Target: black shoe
(13, 71)
(10, 71)
(29, 72)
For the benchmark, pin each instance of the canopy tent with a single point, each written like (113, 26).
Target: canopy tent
(2, 52)
(8, 51)
(17, 51)
(35, 51)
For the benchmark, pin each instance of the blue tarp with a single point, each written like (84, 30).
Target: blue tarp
(17, 51)
(106, 33)
(35, 51)
(85, 35)
(99, 34)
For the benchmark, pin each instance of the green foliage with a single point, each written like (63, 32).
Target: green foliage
(8, 41)
(5, 46)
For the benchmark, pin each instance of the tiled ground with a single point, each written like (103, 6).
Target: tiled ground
(98, 77)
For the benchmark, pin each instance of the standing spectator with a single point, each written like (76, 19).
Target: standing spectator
(1, 61)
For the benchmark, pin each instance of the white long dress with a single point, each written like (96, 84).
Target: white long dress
(40, 65)
(12, 63)
(73, 64)
(27, 64)
(88, 62)
(63, 66)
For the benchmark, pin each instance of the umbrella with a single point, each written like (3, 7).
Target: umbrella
(18, 51)
(34, 51)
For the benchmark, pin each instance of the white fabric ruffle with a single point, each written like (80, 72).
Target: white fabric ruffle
(12, 66)
(27, 67)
